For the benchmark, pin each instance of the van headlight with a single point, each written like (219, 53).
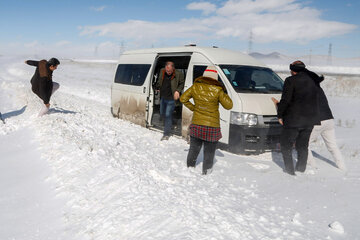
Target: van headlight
(239, 118)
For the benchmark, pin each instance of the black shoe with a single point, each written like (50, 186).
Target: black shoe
(292, 173)
(297, 169)
(191, 164)
(207, 171)
(165, 137)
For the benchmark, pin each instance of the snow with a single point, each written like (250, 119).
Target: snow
(117, 180)
(337, 227)
(28, 203)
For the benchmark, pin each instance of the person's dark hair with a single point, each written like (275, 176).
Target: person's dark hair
(170, 62)
(53, 62)
(297, 66)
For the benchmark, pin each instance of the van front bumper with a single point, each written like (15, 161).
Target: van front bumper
(254, 139)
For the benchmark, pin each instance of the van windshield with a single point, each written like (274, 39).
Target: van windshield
(248, 79)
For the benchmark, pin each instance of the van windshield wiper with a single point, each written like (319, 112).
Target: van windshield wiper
(244, 90)
(252, 90)
(247, 90)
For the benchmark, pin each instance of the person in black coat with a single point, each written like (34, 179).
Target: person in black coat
(298, 112)
(41, 82)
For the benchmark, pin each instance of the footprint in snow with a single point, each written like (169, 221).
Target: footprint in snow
(258, 166)
(337, 227)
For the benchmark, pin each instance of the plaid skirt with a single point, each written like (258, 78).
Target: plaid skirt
(209, 134)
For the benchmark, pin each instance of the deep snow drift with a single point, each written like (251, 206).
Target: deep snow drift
(120, 181)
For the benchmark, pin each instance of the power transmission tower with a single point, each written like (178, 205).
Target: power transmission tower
(96, 51)
(250, 42)
(122, 48)
(329, 58)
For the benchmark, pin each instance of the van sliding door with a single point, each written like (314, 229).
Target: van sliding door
(131, 87)
(181, 61)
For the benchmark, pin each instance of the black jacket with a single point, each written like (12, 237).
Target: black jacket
(325, 111)
(299, 106)
(41, 82)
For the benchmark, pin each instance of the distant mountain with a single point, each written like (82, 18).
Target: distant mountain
(276, 58)
(273, 55)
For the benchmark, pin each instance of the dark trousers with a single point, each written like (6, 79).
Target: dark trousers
(209, 152)
(299, 137)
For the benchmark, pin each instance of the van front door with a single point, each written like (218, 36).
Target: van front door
(197, 67)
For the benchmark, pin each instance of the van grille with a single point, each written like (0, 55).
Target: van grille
(271, 120)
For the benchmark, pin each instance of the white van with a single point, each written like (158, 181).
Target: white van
(250, 126)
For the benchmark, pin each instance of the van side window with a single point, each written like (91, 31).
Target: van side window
(132, 74)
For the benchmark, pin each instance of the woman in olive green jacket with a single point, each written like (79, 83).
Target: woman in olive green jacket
(207, 93)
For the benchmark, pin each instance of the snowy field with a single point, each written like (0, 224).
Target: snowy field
(79, 173)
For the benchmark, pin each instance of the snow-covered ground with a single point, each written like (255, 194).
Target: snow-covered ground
(105, 178)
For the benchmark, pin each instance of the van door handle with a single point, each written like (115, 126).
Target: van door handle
(144, 91)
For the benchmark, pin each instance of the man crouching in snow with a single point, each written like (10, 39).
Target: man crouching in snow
(41, 82)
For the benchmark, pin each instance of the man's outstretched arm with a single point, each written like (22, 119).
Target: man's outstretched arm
(32, 63)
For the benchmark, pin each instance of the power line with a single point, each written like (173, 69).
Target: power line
(122, 48)
(96, 50)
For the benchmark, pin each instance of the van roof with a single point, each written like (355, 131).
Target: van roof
(214, 54)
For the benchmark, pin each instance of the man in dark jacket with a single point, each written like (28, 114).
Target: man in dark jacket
(41, 83)
(327, 128)
(298, 112)
(171, 84)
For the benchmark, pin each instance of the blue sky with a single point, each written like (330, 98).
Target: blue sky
(79, 27)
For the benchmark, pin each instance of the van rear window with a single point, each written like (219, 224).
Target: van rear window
(132, 74)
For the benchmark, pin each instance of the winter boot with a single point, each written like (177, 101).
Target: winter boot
(341, 165)
(43, 111)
